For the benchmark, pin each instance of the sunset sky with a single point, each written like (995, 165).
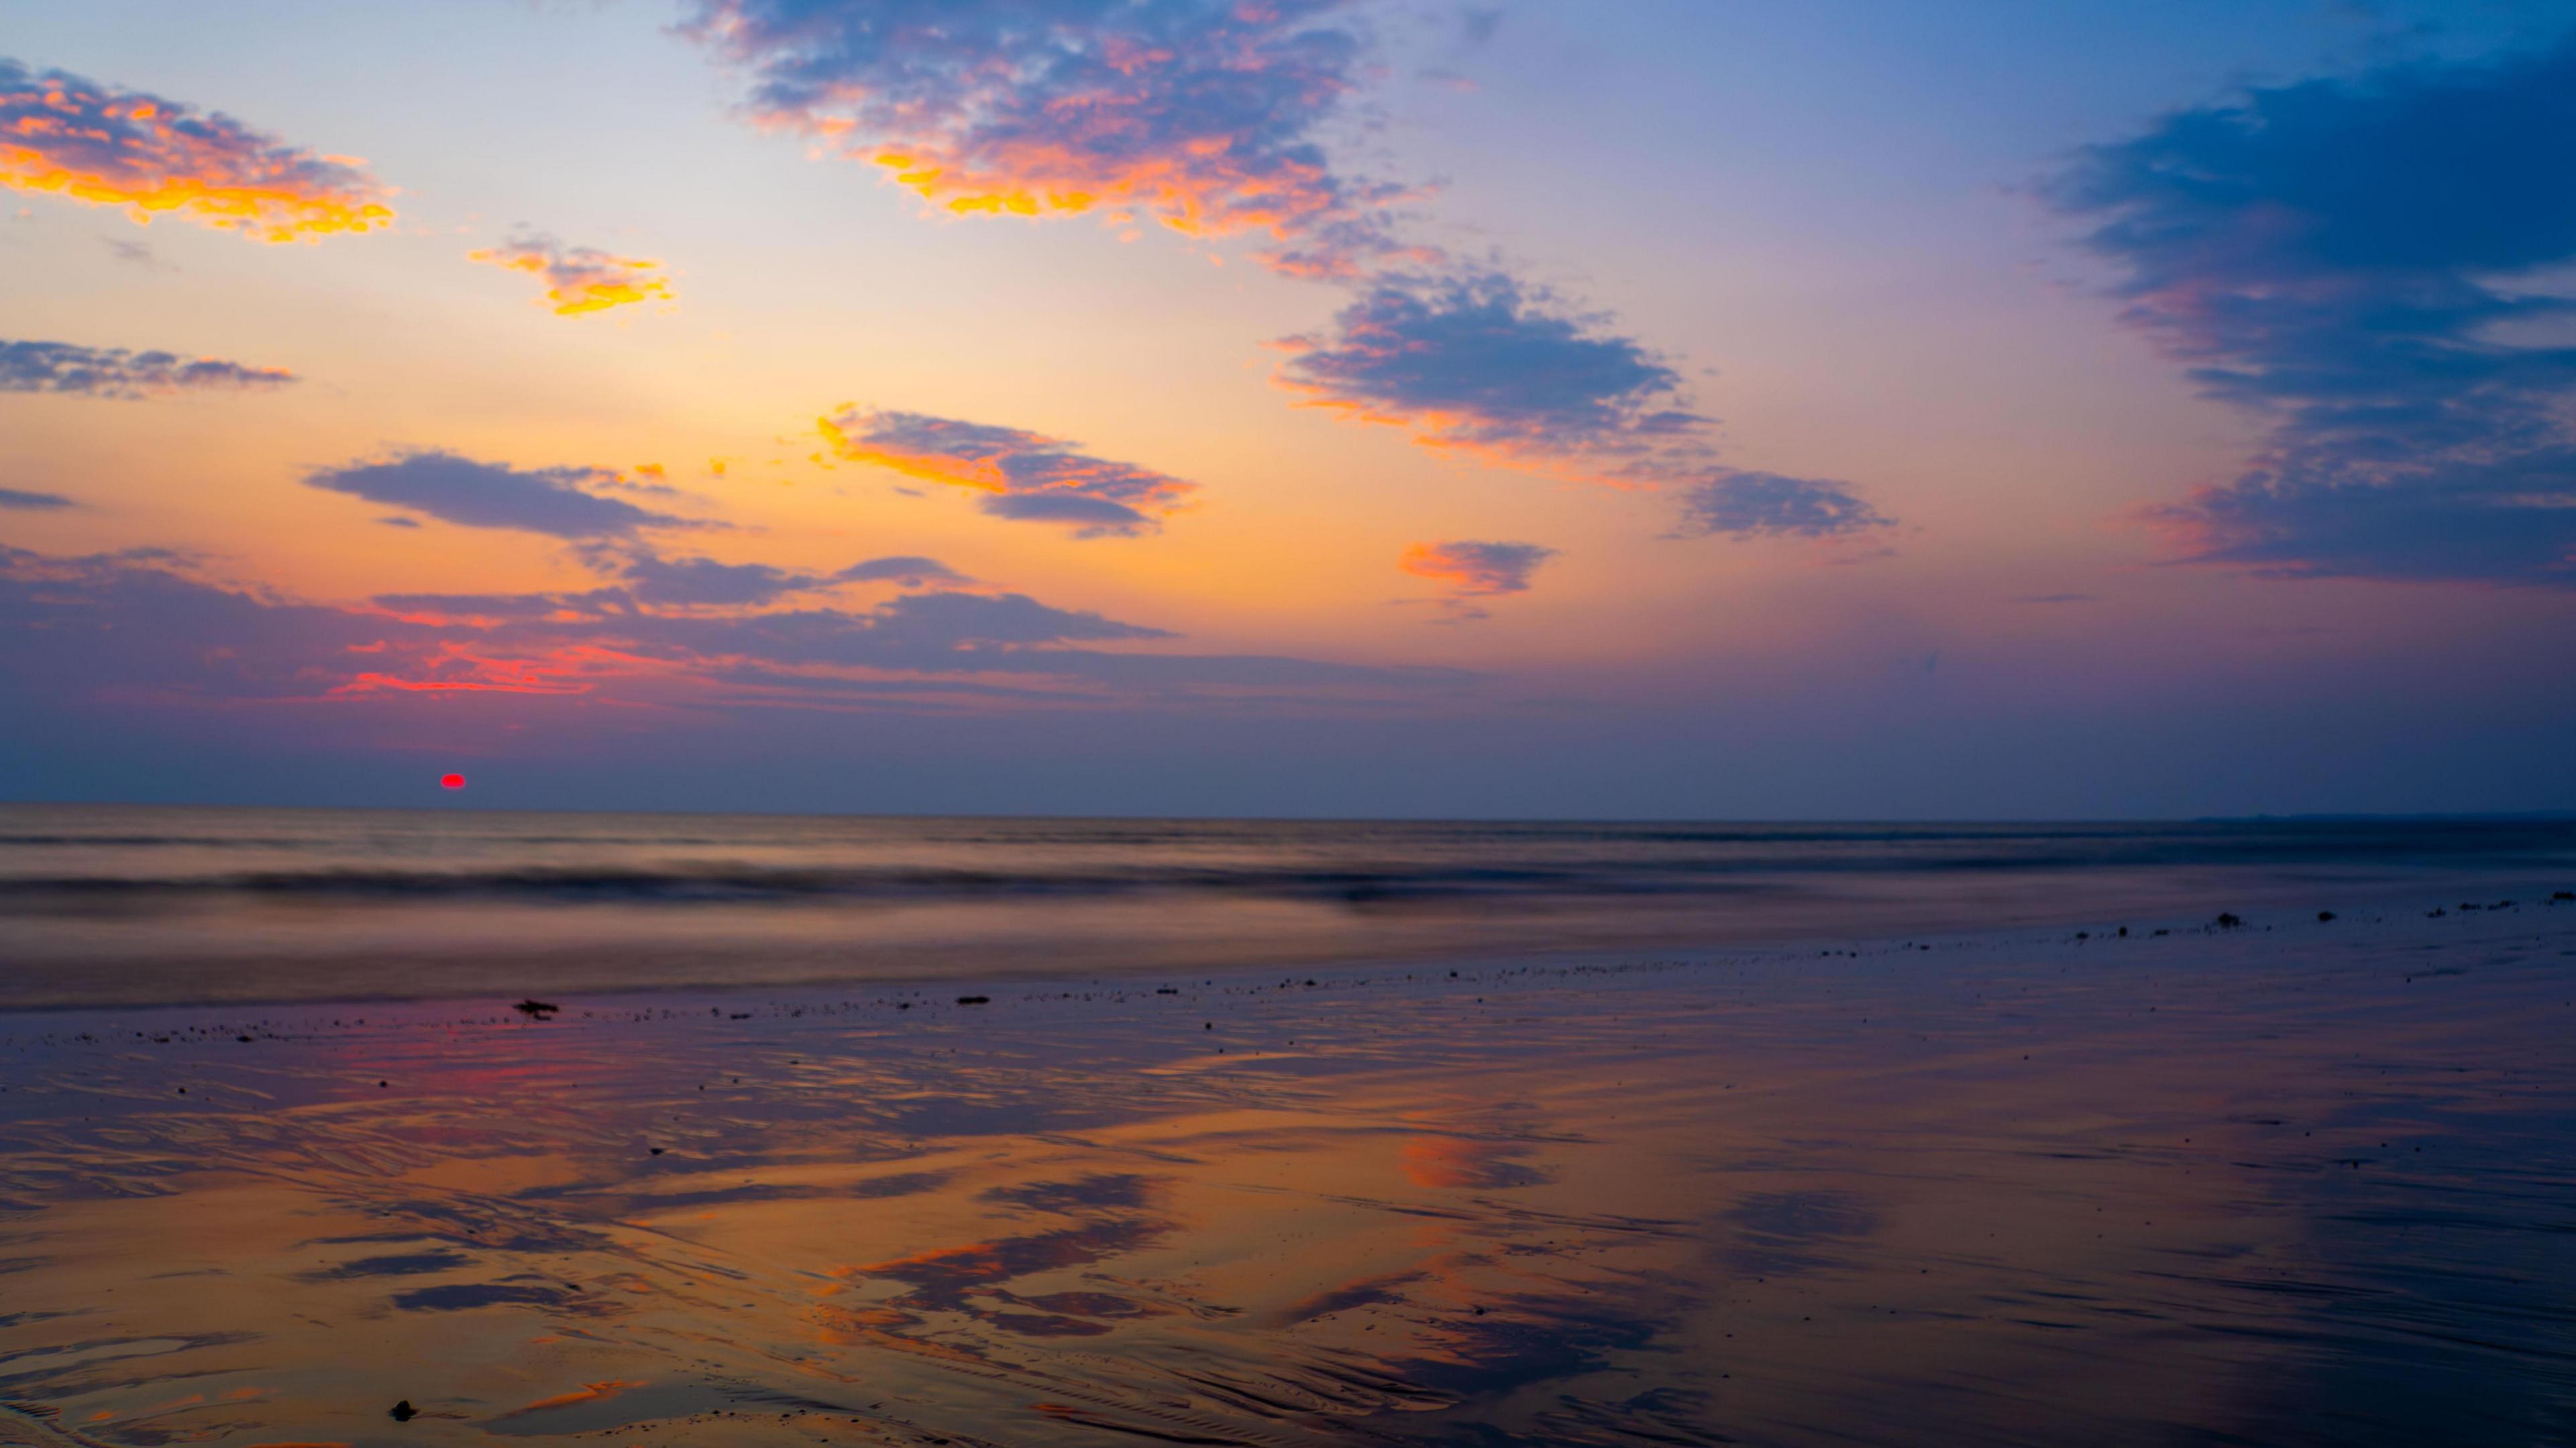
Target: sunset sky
(1347, 407)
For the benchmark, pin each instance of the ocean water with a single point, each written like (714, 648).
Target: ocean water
(105, 904)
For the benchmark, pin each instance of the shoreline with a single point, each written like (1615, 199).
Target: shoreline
(2374, 922)
(60, 984)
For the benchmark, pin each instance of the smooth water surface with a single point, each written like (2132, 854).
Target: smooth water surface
(157, 905)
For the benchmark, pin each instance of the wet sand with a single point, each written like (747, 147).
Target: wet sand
(2298, 1182)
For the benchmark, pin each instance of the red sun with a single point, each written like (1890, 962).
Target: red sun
(451, 781)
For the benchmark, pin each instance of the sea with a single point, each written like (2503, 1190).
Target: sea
(108, 904)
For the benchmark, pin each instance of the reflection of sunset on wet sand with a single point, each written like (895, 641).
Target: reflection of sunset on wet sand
(1993, 1188)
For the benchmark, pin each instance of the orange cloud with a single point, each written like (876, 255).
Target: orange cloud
(67, 136)
(1029, 477)
(1477, 569)
(1206, 118)
(578, 279)
(1468, 571)
(451, 667)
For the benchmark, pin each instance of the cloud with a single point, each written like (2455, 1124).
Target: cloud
(471, 494)
(116, 372)
(140, 629)
(1481, 569)
(1481, 361)
(953, 620)
(910, 571)
(1203, 115)
(433, 607)
(63, 135)
(32, 502)
(1749, 504)
(706, 583)
(1475, 570)
(1091, 517)
(1026, 476)
(2376, 265)
(578, 279)
(116, 626)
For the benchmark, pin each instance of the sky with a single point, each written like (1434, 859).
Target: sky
(1660, 408)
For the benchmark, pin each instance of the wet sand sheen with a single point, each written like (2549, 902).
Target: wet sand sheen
(2300, 1183)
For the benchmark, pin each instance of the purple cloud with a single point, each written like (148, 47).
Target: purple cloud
(473, 494)
(32, 502)
(1483, 362)
(705, 583)
(78, 632)
(115, 372)
(1748, 505)
(133, 625)
(2358, 260)
(908, 570)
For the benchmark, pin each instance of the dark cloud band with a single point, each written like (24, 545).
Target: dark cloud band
(474, 494)
(142, 629)
(116, 372)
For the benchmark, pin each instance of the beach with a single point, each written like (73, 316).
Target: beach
(2151, 1180)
